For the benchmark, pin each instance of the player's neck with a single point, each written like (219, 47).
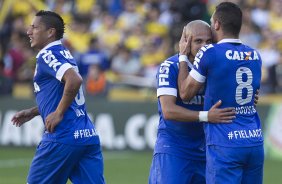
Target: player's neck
(230, 37)
(222, 36)
(46, 43)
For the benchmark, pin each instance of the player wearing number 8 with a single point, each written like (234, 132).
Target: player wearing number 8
(70, 147)
(232, 73)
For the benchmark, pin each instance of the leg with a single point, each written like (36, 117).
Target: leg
(52, 163)
(170, 169)
(224, 165)
(89, 169)
(199, 169)
(253, 172)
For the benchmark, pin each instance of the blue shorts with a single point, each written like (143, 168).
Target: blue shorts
(56, 163)
(228, 165)
(170, 169)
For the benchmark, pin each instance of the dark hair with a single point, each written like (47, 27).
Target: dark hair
(52, 20)
(230, 17)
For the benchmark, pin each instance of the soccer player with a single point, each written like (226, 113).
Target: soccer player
(70, 146)
(179, 154)
(232, 73)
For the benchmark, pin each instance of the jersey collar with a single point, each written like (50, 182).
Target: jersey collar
(230, 40)
(57, 42)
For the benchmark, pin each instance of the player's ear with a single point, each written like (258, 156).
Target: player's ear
(216, 25)
(51, 32)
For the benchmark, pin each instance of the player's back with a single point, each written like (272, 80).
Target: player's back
(233, 76)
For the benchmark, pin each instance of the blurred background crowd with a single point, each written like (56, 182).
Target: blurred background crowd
(118, 44)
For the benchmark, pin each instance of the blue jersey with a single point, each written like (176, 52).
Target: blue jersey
(183, 139)
(75, 128)
(232, 72)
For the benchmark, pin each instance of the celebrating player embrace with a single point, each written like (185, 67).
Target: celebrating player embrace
(232, 73)
(179, 154)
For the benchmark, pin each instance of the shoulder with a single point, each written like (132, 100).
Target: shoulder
(51, 51)
(56, 52)
(61, 52)
(208, 47)
(207, 50)
(49, 55)
(246, 47)
(173, 59)
(170, 62)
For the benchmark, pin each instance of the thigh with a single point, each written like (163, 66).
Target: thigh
(52, 163)
(170, 169)
(224, 165)
(198, 171)
(90, 168)
(253, 171)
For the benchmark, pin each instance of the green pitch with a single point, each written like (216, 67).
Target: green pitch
(124, 167)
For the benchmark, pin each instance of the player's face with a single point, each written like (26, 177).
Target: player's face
(38, 34)
(200, 38)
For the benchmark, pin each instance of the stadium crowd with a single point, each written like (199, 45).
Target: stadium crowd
(119, 43)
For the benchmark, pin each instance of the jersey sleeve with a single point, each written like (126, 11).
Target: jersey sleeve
(201, 64)
(167, 79)
(54, 64)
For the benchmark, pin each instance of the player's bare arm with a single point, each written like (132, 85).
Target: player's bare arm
(188, 87)
(72, 82)
(24, 115)
(171, 111)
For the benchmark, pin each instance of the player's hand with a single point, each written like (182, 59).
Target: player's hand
(52, 120)
(256, 97)
(217, 115)
(21, 117)
(185, 43)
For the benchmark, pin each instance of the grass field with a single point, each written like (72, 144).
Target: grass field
(123, 167)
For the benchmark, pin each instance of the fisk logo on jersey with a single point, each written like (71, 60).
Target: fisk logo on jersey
(240, 56)
(163, 73)
(50, 59)
(200, 53)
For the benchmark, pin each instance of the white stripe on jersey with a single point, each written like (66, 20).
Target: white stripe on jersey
(166, 91)
(197, 76)
(60, 73)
